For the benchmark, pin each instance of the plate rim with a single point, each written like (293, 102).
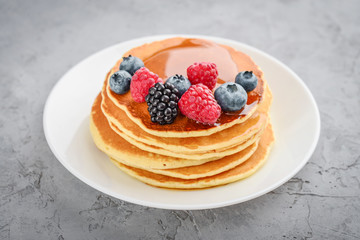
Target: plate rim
(171, 206)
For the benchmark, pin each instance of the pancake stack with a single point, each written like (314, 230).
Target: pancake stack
(185, 154)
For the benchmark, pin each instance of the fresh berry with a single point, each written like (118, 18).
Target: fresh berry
(142, 80)
(162, 103)
(198, 103)
(247, 80)
(120, 82)
(203, 72)
(180, 82)
(131, 64)
(231, 96)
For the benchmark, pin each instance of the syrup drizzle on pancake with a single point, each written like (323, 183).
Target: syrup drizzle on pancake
(176, 59)
(173, 56)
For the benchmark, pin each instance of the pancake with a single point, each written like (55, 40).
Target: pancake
(209, 168)
(116, 147)
(215, 154)
(220, 140)
(172, 56)
(185, 154)
(245, 169)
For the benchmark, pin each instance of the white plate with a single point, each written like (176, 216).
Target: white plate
(294, 115)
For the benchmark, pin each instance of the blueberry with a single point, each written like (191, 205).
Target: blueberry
(131, 64)
(230, 96)
(180, 82)
(247, 80)
(120, 82)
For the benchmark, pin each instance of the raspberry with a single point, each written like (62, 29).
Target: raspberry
(203, 72)
(198, 103)
(142, 80)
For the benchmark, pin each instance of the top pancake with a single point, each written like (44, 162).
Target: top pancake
(173, 56)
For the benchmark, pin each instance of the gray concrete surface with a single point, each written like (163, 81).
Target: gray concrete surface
(41, 40)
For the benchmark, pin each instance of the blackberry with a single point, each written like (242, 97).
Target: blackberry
(162, 103)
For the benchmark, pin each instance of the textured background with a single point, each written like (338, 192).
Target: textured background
(41, 40)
